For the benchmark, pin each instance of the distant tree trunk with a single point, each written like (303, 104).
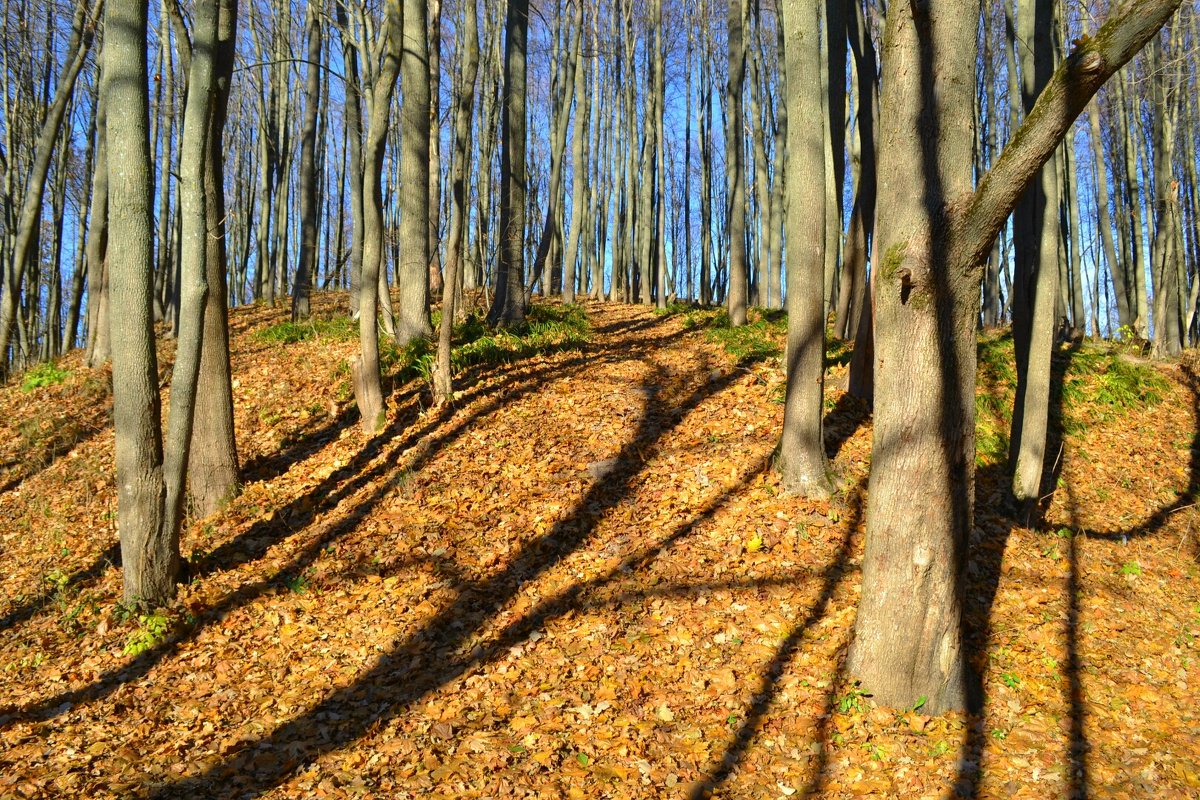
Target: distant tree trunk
(1035, 289)
(560, 123)
(353, 133)
(656, 125)
(508, 306)
(579, 169)
(802, 449)
(83, 27)
(1104, 219)
(468, 41)
(307, 188)
(735, 181)
(434, 39)
(98, 350)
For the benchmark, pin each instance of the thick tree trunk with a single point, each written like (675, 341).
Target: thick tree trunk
(412, 271)
(908, 642)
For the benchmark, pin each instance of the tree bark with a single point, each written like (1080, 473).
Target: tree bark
(149, 555)
(802, 462)
(735, 179)
(908, 641)
(412, 272)
(307, 181)
(468, 41)
(508, 306)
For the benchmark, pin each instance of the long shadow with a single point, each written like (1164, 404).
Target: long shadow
(768, 689)
(434, 655)
(26, 611)
(842, 422)
(254, 543)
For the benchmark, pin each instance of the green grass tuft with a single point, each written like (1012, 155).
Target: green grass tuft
(42, 375)
(341, 329)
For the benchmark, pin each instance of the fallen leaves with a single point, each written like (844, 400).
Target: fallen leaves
(580, 580)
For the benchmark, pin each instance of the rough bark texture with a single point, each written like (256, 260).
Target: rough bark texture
(934, 241)
(149, 559)
(802, 447)
(412, 273)
(213, 463)
(508, 306)
(735, 179)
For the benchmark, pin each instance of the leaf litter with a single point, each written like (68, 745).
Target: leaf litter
(581, 579)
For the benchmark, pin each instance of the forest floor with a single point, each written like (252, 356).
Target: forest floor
(582, 580)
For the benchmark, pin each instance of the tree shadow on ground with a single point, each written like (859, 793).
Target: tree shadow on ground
(987, 554)
(40, 441)
(832, 576)
(77, 580)
(438, 653)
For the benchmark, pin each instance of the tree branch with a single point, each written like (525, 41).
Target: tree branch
(1130, 25)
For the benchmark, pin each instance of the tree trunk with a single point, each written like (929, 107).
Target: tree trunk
(468, 41)
(508, 306)
(213, 461)
(149, 555)
(802, 448)
(908, 642)
(307, 188)
(83, 27)
(735, 179)
(1035, 276)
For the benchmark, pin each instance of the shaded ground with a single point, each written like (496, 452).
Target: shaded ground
(580, 581)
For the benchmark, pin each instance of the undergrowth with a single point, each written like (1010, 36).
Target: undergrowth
(547, 329)
(339, 328)
(41, 375)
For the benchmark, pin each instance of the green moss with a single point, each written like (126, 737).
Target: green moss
(892, 260)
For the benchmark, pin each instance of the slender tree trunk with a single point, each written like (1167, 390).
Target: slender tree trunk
(98, 350)
(802, 448)
(468, 41)
(83, 26)
(735, 180)
(307, 181)
(213, 461)
(365, 371)
(1035, 290)
(508, 302)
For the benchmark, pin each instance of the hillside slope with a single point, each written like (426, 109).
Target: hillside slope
(580, 580)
